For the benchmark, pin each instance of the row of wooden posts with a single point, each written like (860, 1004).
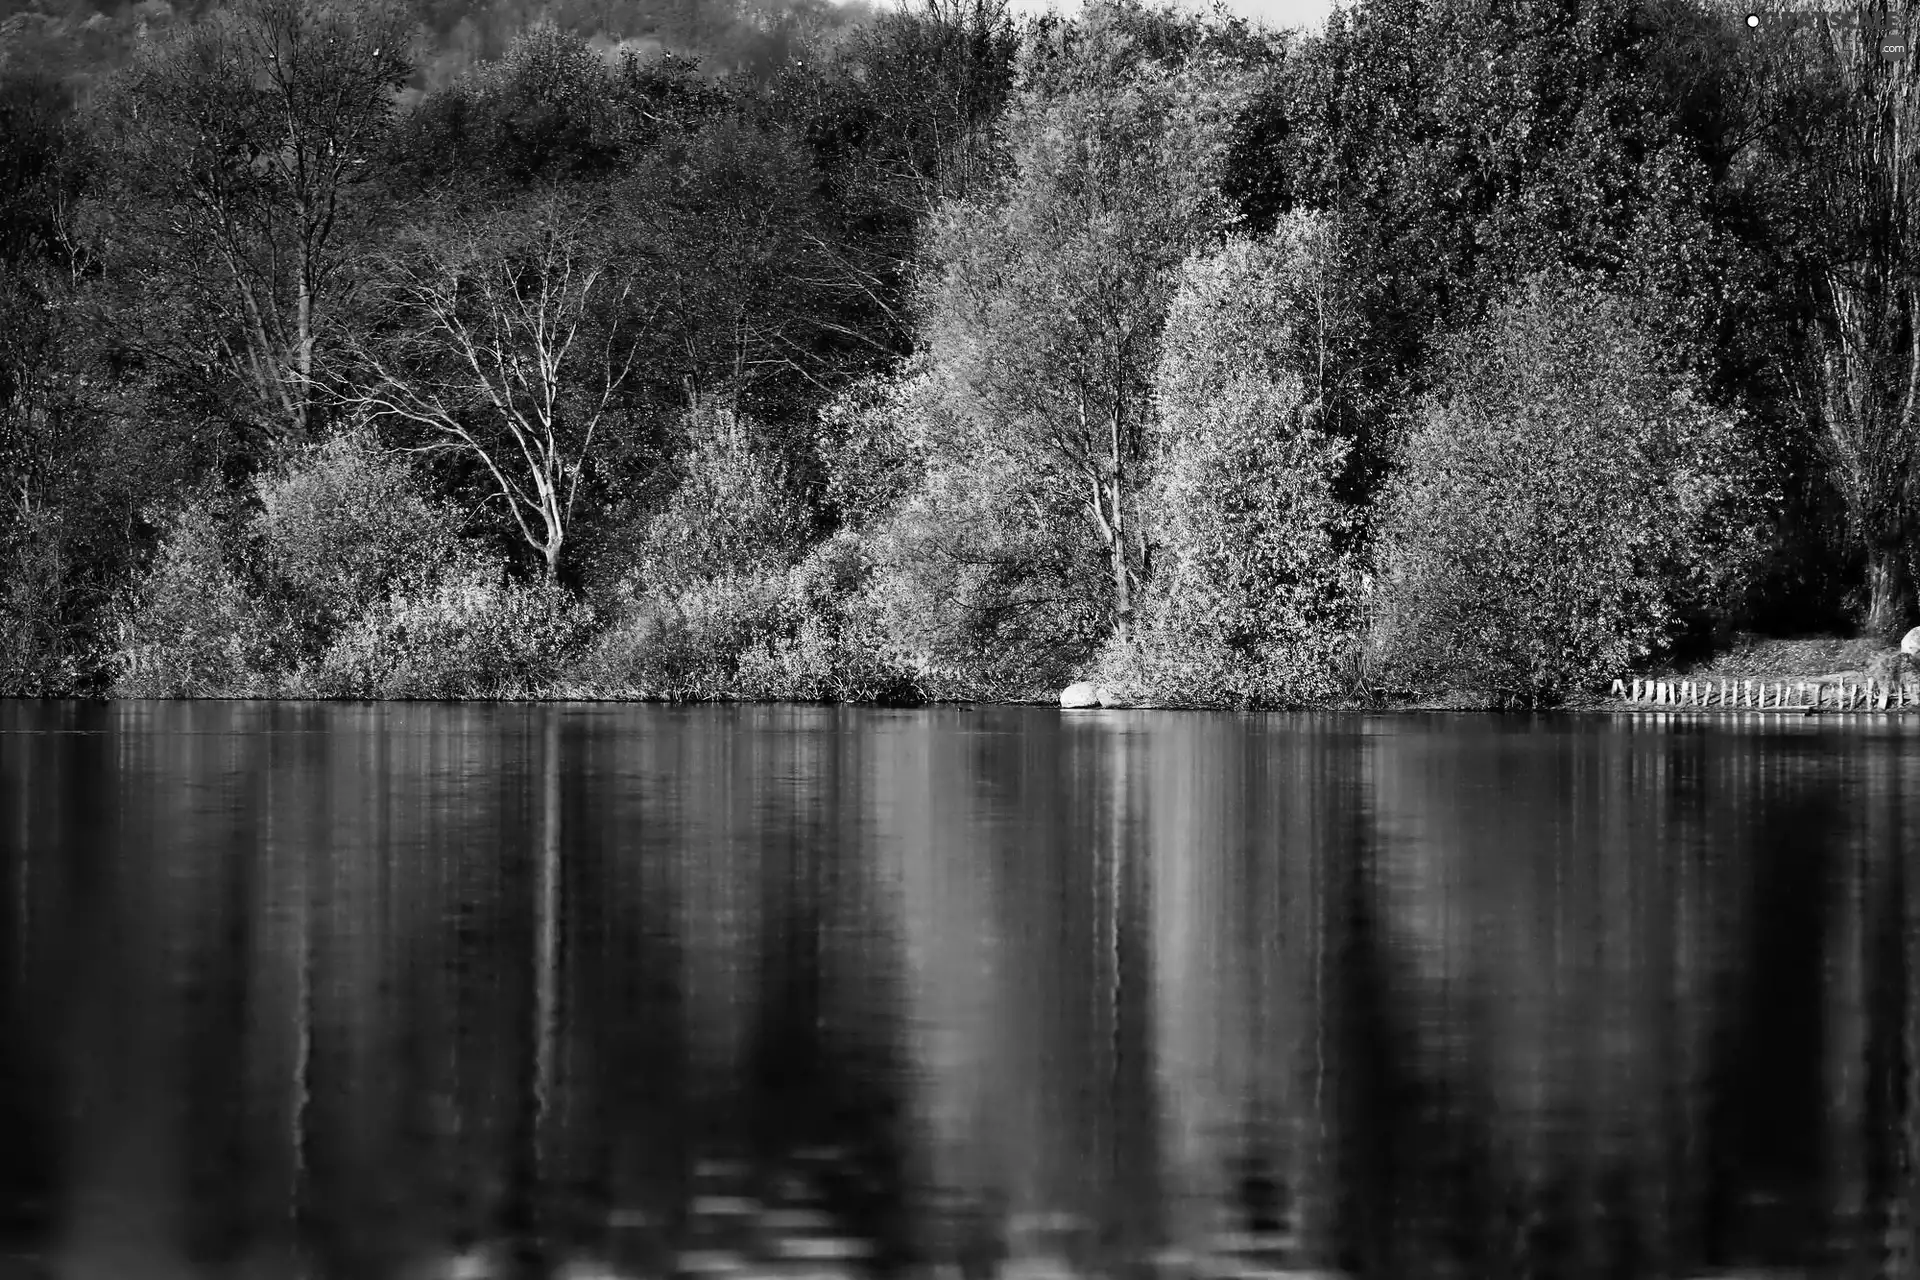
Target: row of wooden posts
(1799, 695)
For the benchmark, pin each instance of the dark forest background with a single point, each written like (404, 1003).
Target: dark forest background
(792, 350)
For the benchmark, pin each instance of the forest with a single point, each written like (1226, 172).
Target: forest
(381, 349)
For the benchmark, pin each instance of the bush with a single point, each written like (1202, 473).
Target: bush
(987, 580)
(1254, 599)
(194, 627)
(685, 645)
(47, 645)
(836, 649)
(735, 511)
(1564, 507)
(342, 527)
(346, 582)
(805, 634)
(870, 450)
(472, 636)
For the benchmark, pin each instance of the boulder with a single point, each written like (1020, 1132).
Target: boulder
(1080, 695)
(1113, 698)
(1910, 644)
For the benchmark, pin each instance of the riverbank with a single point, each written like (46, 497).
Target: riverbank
(1808, 675)
(1825, 659)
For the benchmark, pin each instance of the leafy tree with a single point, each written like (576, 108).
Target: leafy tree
(758, 289)
(1043, 307)
(1256, 596)
(1838, 126)
(1567, 504)
(734, 510)
(924, 88)
(247, 140)
(1462, 146)
(549, 110)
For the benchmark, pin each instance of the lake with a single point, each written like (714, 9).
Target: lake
(417, 990)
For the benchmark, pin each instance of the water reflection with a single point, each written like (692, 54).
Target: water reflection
(408, 990)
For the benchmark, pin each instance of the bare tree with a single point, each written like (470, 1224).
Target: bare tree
(247, 136)
(509, 338)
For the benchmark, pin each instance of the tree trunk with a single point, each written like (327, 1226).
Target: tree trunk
(1122, 580)
(552, 553)
(1890, 597)
(303, 356)
(1116, 499)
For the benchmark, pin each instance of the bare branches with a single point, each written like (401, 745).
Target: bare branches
(252, 126)
(509, 340)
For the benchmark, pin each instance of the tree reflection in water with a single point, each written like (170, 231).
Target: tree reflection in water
(409, 991)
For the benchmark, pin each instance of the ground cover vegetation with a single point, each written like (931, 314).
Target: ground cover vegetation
(363, 349)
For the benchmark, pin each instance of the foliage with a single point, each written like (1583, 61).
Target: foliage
(342, 581)
(947, 272)
(344, 525)
(735, 510)
(466, 635)
(1566, 502)
(871, 449)
(249, 139)
(1524, 136)
(808, 633)
(1042, 308)
(1255, 594)
(993, 590)
(194, 627)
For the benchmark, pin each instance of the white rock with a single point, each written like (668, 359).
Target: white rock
(1080, 695)
(1910, 643)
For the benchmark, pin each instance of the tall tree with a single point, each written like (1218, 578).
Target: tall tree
(1462, 145)
(1043, 307)
(1842, 141)
(249, 139)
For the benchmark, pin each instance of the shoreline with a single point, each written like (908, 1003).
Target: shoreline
(1580, 706)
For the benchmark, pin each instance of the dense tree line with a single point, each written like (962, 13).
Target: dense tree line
(1498, 343)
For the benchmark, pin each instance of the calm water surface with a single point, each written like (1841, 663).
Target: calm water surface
(370, 991)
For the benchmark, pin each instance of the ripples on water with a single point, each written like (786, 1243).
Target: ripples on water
(410, 990)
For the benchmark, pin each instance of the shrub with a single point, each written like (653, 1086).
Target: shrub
(836, 649)
(475, 635)
(987, 581)
(1254, 598)
(1564, 505)
(346, 582)
(685, 645)
(806, 634)
(194, 627)
(342, 527)
(735, 511)
(868, 443)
